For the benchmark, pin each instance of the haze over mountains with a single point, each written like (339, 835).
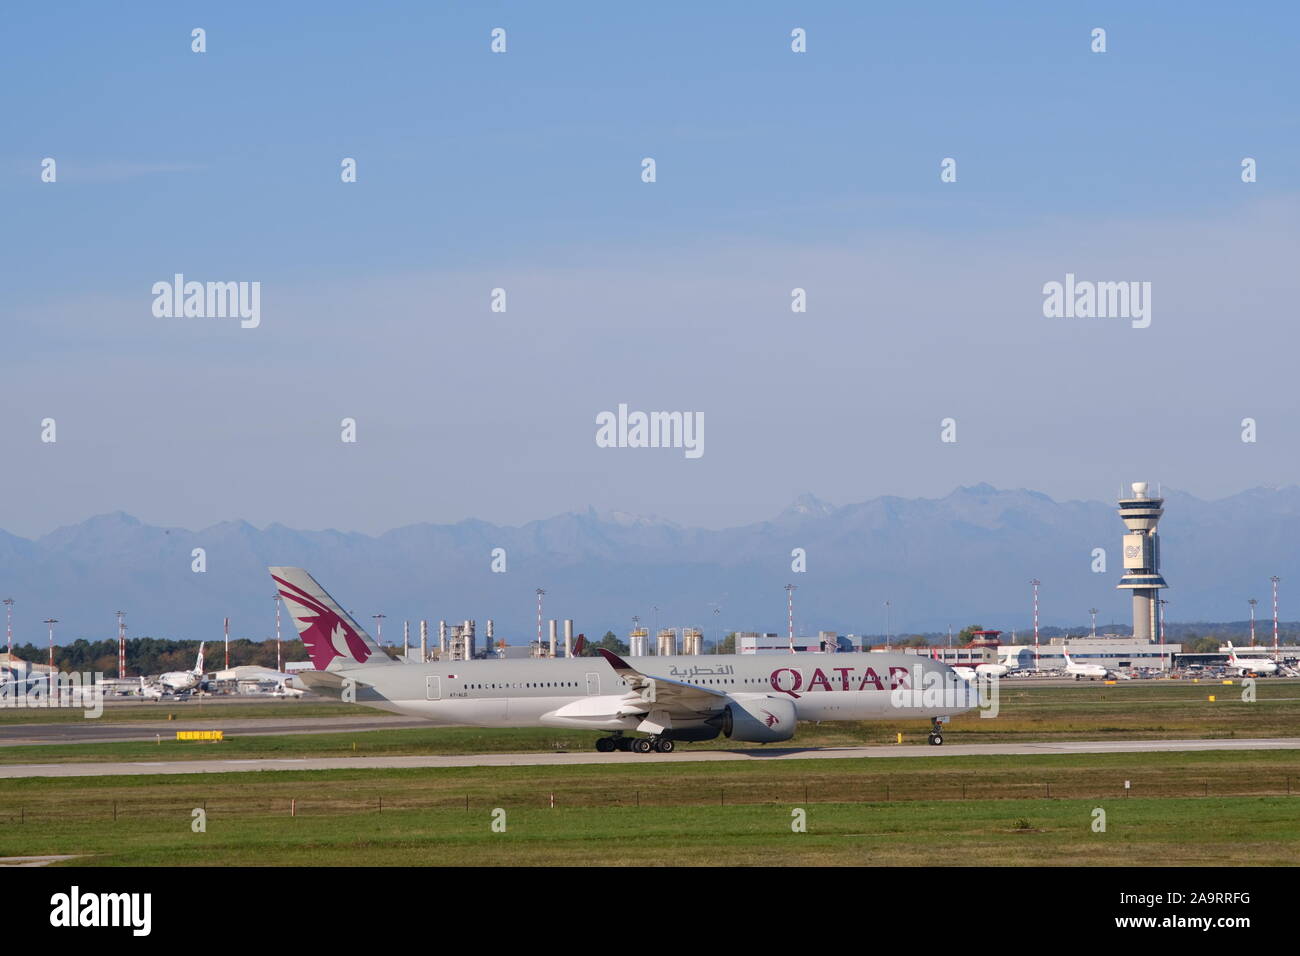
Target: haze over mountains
(965, 558)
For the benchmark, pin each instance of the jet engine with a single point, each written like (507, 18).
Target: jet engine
(759, 720)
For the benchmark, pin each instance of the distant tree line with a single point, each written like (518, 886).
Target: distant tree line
(152, 655)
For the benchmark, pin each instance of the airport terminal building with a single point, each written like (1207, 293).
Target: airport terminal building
(1114, 651)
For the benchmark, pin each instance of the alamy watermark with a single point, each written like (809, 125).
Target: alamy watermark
(67, 690)
(208, 300)
(626, 429)
(1084, 299)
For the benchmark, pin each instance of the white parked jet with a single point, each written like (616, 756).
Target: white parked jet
(178, 682)
(1090, 671)
(756, 699)
(981, 670)
(1250, 665)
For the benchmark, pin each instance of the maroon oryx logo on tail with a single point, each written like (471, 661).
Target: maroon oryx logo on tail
(324, 634)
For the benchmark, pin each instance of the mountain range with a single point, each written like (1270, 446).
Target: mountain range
(966, 558)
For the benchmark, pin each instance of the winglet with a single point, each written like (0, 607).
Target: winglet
(615, 661)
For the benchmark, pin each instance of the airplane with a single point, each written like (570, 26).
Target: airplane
(177, 682)
(1250, 665)
(982, 670)
(1090, 671)
(749, 698)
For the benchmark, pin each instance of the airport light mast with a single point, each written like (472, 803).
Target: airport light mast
(1163, 602)
(789, 604)
(540, 593)
(1252, 602)
(379, 628)
(1035, 582)
(1275, 579)
(225, 624)
(1093, 612)
(9, 628)
(279, 659)
(1141, 513)
(121, 644)
(51, 621)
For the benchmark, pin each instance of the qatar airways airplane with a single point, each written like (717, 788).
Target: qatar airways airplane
(756, 699)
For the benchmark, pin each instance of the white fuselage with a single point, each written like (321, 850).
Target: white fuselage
(1253, 665)
(981, 670)
(177, 682)
(528, 693)
(1086, 670)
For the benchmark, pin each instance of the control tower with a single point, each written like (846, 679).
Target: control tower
(1142, 576)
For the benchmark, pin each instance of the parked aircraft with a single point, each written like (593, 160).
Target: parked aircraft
(1090, 671)
(1250, 665)
(176, 682)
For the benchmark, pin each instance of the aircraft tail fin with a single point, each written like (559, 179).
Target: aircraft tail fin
(332, 638)
(198, 665)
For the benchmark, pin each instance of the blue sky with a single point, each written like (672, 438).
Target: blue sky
(521, 170)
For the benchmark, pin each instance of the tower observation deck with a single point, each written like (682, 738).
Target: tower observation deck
(1141, 514)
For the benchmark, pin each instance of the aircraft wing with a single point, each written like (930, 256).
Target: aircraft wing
(676, 696)
(325, 683)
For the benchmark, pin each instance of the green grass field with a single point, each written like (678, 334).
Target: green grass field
(196, 710)
(1194, 809)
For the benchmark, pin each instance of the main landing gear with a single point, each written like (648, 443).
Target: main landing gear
(640, 745)
(936, 733)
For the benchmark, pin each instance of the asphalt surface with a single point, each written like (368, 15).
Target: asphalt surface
(591, 757)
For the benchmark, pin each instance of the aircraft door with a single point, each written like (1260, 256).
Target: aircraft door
(433, 688)
(593, 684)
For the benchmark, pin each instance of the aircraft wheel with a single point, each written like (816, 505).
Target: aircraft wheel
(664, 745)
(623, 744)
(605, 745)
(641, 745)
(936, 740)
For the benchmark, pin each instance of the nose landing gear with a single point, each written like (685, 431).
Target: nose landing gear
(936, 733)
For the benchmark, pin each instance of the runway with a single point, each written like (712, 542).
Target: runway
(686, 756)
